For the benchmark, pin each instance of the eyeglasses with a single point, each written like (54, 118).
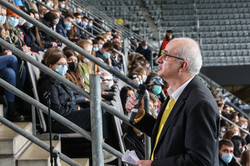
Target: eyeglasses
(165, 55)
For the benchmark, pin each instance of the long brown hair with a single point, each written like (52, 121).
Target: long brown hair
(245, 158)
(74, 76)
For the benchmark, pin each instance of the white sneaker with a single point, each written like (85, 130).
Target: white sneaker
(108, 157)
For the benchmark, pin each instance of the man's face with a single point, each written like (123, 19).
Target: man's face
(169, 65)
(226, 149)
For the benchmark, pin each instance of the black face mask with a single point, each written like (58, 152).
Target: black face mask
(73, 66)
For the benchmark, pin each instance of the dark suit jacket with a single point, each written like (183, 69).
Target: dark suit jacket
(190, 134)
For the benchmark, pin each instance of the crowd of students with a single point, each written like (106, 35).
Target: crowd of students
(76, 68)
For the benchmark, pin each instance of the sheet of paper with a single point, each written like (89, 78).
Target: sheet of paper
(130, 157)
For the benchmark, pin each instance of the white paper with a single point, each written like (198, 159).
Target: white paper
(130, 157)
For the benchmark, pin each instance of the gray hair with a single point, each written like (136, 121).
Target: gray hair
(189, 50)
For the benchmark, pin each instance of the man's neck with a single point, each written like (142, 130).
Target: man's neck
(178, 82)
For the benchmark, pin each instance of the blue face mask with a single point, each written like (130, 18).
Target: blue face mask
(106, 55)
(67, 25)
(2, 19)
(90, 25)
(227, 158)
(156, 111)
(156, 90)
(95, 49)
(100, 47)
(84, 23)
(145, 47)
(13, 22)
(62, 69)
(78, 20)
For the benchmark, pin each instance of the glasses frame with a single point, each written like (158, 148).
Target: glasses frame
(165, 55)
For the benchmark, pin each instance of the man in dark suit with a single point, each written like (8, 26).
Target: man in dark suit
(187, 129)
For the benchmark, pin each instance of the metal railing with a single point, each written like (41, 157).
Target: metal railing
(62, 79)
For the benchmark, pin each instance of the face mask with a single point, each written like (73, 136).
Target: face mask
(50, 4)
(156, 111)
(62, 69)
(106, 55)
(95, 49)
(223, 130)
(156, 90)
(100, 47)
(90, 25)
(145, 47)
(78, 20)
(84, 23)
(144, 77)
(21, 21)
(28, 25)
(2, 19)
(62, 5)
(85, 60)
(72, 66)
(67, 25)
(13, 22)
(227, 158)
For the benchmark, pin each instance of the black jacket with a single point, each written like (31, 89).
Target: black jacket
(147, 53)
(63, 99)
(30, 39)
(45, 38)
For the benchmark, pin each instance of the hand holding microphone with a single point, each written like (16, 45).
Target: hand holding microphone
(134, 103)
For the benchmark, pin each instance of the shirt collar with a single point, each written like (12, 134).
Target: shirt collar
(176, 94)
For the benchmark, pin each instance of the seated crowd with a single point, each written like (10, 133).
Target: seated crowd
(77, 68)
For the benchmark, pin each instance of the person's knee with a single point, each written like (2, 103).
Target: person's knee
(13, 58)
(9, 75)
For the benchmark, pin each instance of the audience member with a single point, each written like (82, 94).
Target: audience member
(145, 50)
(169, 36)
(226, 156)
(245, 158)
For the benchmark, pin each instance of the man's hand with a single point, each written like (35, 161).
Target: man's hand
(131, 103)
(144, 163)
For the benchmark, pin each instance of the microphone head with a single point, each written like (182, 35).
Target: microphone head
(141, 89)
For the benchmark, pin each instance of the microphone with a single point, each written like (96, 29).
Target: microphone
(139, 94)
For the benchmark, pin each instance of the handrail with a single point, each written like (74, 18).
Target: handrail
(232, 123)
(36, 140)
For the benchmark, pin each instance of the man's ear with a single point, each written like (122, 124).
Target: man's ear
(184, 66)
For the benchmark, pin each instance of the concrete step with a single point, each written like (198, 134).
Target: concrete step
(35, 155)
(10, 141)
(82, 161)
(12, 144)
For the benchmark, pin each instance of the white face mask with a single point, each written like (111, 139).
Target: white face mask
(50, 3)
(144, 78)
(62, 5)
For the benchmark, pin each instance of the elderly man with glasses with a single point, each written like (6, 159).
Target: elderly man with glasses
(187, 128)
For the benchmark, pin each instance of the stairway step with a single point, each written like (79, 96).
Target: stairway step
(10, 141)
(82, 161)
(35, 155)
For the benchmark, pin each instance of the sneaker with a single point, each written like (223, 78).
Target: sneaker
(108, 157)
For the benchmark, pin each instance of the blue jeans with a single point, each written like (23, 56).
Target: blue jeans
(9, 71)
